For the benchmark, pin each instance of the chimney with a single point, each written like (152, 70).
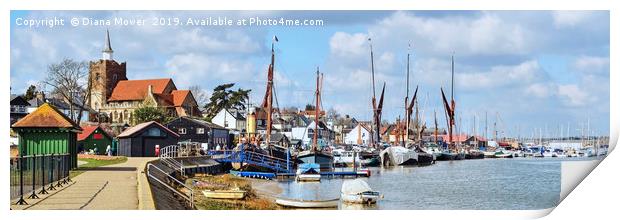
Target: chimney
(40, 95)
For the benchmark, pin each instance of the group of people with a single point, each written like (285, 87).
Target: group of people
(95, 150)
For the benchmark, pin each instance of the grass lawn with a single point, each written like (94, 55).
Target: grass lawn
(91, 163)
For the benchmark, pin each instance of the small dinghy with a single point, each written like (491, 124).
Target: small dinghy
(295, 203)
(358, 191)
(308, 172)
(224, 194)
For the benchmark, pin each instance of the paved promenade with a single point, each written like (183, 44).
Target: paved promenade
(114, 187)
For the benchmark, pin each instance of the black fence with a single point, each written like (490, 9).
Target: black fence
(33, 175)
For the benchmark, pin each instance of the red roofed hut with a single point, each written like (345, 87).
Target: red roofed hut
(93, 137)
(47, 131)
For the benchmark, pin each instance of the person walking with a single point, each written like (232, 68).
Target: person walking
(108, 150)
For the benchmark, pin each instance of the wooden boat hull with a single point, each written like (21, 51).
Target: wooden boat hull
(425, 159)
(446, 156)
(474, 155)
(224, 194)
(325, 161)
(293, 203)
(459, 156)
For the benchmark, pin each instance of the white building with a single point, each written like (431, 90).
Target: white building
(230, 119)
(305, 134)
(359, 135)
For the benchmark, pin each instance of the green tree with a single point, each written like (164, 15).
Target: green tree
(224, 97)
(150, 113)
(31, 92)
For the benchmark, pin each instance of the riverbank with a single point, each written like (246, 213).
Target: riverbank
(258, 195)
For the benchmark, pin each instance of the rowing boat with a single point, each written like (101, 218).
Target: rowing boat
(224, 194)
(295, 203)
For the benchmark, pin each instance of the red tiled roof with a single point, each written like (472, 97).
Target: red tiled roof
(86, 131)
(127, 90)
(46, 116)
(455, 138)
(179, 96)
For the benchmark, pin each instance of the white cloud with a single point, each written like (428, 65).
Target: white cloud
(500, 76)
(484, 34)
(592, 65)
(344, 45)
(572, 95)
(570, 18)
(541, 90)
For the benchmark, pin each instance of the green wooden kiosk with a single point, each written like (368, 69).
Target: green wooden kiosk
(47, 131)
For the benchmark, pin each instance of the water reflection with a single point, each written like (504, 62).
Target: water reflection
(520, 183)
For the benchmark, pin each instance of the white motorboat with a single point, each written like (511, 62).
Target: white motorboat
(358, 191)
(343, 158)
(308, 172)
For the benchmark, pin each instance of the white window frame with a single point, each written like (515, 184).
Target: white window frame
(182, 131)
(200, 130)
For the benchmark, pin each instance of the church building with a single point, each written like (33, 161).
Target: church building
(115, 97)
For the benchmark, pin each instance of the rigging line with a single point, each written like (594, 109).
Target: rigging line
(275, 95)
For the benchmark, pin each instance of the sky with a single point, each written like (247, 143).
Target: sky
(526, 71)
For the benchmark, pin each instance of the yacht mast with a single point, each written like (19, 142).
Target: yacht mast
(374, 99)
(317, 98)
(405, 142)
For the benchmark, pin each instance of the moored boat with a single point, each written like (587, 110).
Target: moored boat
(308, 172)
(398, 156)
(446, 155)
(474, 154)
(358, 191)
(297, 203)
(224, 194)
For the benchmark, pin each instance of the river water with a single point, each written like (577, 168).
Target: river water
(518, 183)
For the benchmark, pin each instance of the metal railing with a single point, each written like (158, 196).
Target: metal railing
(33, 175)
(152, 172)
(277, 164)
(168, 154)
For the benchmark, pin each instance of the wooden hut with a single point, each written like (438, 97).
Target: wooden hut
(47, 131)
(196, 130)
(93, 138)
(140, 140)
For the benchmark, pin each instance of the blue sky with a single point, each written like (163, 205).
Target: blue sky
(534, 69)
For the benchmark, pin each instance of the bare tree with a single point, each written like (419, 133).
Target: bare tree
(201, 96)
(69, 80)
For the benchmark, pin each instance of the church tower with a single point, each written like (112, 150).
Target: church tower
(104, 74)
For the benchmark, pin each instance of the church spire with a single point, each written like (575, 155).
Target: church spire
(107, 49)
